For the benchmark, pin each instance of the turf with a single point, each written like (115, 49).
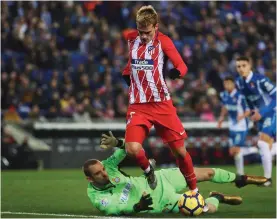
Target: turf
(64, 192)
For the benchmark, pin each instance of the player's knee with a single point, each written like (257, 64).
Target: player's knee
(132, 148)
(210, 174)
(266, 138)
(233, 151)
(179, 152)
(177, 148)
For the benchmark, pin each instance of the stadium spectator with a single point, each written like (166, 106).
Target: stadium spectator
(60, 59)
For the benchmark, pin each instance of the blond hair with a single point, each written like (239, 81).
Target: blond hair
(147, 15)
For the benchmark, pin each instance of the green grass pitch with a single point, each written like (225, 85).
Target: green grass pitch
(61, 192)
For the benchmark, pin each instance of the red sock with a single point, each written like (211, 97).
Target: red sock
(142, 160)
(186, 167)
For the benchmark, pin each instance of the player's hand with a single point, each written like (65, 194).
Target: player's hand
(256, 116)
(108, 141)
(144, 203)
(240, 117)
(174, 73)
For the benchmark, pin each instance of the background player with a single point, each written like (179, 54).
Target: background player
(235, 105)
(113, 192)
(149, 99)
(260, 94)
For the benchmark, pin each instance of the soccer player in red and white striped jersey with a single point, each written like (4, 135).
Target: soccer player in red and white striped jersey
(149, 99)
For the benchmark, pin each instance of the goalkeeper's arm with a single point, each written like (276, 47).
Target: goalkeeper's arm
(109, 141)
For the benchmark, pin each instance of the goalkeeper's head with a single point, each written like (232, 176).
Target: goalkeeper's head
(147, 23)
(95, 173)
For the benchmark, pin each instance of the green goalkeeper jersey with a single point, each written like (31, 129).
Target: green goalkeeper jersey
(119, 197)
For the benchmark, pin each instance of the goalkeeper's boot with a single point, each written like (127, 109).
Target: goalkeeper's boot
(243, 180)
(150, 176)
(226, 199)
(268, 183)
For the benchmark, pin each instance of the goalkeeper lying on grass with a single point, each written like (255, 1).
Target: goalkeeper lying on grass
(114, 193)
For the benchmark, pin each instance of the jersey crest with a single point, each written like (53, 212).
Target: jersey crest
(116, 179)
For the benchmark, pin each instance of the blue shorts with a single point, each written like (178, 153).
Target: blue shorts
(267, 125)
(237, 138)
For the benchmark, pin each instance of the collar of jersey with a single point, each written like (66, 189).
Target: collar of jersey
(249, 77)
(233, 92)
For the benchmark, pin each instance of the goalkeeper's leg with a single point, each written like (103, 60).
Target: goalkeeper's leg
(215, 198)
(218, 175)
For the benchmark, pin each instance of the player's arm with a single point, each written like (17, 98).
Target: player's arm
(126, 72)
(223, 112)
(221, 118)
(109, 141)
(270, 89)
(240, 88)
(180, 68)
(245, 107)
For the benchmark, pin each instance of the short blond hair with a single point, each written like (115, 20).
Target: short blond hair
(147, 15)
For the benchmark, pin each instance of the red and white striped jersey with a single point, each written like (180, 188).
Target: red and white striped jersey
(146, 66)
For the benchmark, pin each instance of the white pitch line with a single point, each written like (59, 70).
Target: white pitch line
(48, 214)
(66, 215)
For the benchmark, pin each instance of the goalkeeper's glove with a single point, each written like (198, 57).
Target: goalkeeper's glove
(144, 203)
(174, 73)
(109, 141)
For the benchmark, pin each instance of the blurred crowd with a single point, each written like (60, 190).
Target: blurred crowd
(64, 59)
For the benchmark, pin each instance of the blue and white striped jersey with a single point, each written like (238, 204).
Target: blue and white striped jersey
(236, 105)
(259, 92)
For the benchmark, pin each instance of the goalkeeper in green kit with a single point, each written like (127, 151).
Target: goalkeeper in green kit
(113, 192)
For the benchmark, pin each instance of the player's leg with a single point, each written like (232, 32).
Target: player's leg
(273, 135)
(264, 143)
(184, 162)
(273, 149)
(218, 175)
(137, 130)
(176, 179)
(212, 203)
(237, 140)
(170, 129)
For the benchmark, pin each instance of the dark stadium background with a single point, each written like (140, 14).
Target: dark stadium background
(62, 61)
(61, 87)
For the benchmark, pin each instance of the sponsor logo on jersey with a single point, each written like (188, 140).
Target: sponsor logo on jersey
(104, 202)
(125, 193)
(142, 64)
